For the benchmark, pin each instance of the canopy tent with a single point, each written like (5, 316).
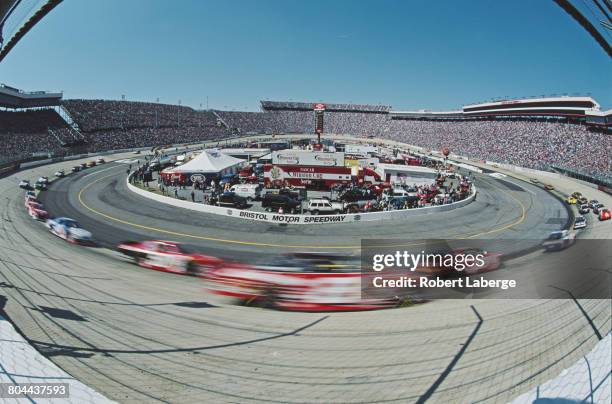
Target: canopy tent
(209, 163)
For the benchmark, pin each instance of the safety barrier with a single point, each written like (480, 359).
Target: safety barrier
(300, 219)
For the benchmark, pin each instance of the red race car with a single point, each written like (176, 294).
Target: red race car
(604, 214)
(300, 281)
(36, 210)
(168, 256)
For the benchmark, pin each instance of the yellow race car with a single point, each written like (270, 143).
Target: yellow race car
(571, 200)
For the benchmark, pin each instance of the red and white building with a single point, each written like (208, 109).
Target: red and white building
(315, 170)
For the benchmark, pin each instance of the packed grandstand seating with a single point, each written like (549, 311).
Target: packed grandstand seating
(31, 121)
(26, 132)
(96, 115)
(108, 125)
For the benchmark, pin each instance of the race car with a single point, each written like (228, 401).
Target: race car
(597, 208)
(549, 187)
(41, 186)
(571, 200)
(91, 163)
(584, 209)
(60, 173)
(100, 161)
(43, 180)
(37, 211)
(559, 240)
(29, 196)
(577, 195)
(69, 230)
(75, 169)
(168, 256)
(605, 214)
(534, 180)
(593, 202)
(297, 281)
(580, 223)
(25, 184)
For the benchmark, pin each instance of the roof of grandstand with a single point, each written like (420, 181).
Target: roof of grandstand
(554, 107)
(15, 98)
(308, 106)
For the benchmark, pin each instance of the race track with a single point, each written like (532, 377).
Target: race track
(135, 334)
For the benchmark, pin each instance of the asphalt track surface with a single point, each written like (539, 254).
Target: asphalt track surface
(135, 334)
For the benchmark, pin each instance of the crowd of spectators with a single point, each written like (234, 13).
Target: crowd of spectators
(146, 137)
(24, 133)
(97, 115)
(108, 125)
(527, 143)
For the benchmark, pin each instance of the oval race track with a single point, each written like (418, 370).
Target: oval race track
(135, 334)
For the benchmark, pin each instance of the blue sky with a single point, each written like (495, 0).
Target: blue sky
(410, 54)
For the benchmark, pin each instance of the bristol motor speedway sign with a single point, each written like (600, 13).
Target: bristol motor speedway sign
(296, 219)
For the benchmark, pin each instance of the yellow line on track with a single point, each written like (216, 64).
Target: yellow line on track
(258, 244)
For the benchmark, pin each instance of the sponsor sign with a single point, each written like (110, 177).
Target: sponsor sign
(297, 219)
(197, 178)
(308, 158)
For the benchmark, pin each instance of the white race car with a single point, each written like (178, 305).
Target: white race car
(69, 230)
(24, 184)
(559, 240)
(580, 222)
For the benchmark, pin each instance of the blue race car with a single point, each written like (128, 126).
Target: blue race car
(69, 230)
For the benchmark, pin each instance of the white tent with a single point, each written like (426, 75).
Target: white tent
(209, 162)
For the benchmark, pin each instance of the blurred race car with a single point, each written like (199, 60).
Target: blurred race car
(41, 186)
(559, 240)
(60, 173)
(24, 184)
(36, 210)
(577, 195)
(549, 187)
(168, 256)
(570, 200)
(298, 281)
(29, 196)
(580, 223)
(69, 230)
(598, 208)
(605, 214)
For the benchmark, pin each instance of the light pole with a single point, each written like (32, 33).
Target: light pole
(178, 114)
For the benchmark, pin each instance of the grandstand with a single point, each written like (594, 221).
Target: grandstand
(537, 133)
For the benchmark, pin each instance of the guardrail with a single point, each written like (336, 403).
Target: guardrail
(299, 219)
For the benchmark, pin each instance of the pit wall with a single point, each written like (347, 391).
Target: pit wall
(299, 219)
